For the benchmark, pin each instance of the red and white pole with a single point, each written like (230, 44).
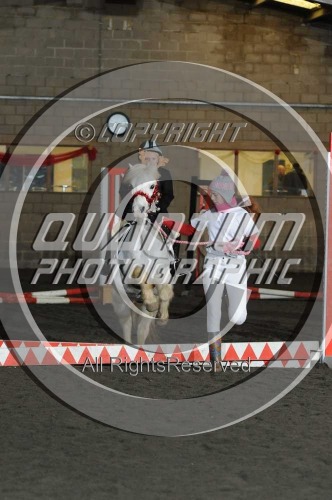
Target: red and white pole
(327, 341)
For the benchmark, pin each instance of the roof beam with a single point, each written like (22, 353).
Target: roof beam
(319, 14)
(258, 3)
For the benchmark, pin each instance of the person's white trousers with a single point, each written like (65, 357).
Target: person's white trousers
(220, 273)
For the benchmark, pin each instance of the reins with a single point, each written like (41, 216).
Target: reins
(166, 236)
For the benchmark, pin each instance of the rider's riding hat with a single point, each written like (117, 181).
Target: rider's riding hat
(150, 146)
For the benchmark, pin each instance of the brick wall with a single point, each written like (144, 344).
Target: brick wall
(45, 49)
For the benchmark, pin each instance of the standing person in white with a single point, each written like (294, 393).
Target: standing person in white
(229, 225)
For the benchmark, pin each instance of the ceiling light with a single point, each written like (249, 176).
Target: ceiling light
(304, 4)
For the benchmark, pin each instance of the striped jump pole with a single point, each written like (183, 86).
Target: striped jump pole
(285, 293)
(67, 296)
(67, 292)
(14, 299)
(64, 296)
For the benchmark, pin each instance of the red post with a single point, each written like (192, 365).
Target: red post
(328, 270)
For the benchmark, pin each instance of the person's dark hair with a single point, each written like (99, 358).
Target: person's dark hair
(253, 208)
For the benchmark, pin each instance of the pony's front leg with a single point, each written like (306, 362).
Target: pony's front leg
(124, 315)
(166, 294)
(126, 325)
(150, 300)
(144, 328)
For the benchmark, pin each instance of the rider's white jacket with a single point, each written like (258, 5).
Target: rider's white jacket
(234, 224)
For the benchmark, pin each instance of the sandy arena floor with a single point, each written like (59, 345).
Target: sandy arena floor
(50, 451)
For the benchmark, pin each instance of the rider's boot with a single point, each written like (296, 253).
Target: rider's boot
(215, 352)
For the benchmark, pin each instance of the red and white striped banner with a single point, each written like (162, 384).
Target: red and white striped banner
(270, 354)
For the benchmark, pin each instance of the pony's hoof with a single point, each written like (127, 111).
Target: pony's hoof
(152, 307)
(162, 322)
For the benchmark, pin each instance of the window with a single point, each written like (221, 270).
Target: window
(65, 170)
(264, 173)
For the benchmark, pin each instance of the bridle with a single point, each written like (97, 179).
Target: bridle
(150, 199)
(155, 197)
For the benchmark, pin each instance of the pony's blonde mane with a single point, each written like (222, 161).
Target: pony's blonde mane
(139, 174)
